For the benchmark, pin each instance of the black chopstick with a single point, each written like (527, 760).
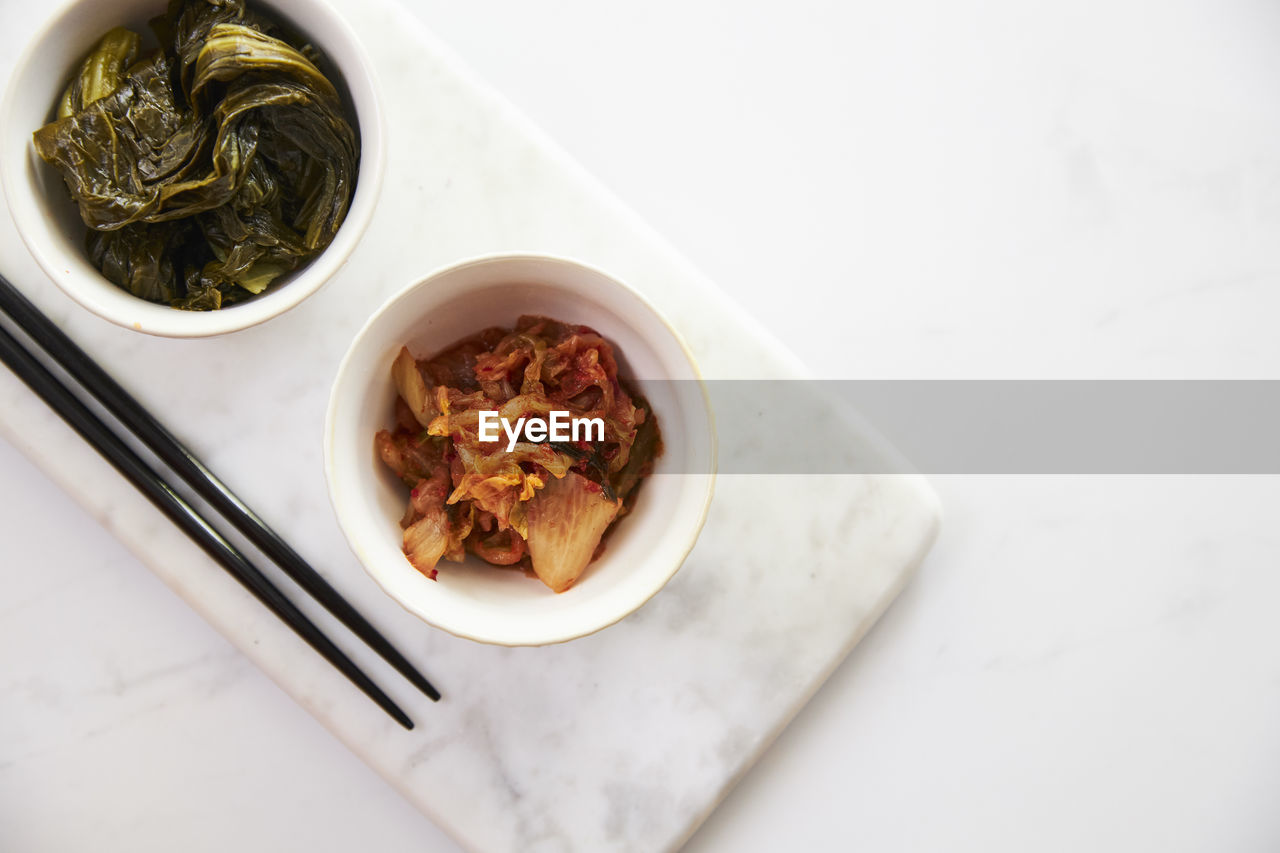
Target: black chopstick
(136, 471)
(193, 472)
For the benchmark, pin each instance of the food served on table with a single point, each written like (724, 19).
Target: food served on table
(521, 446)
(209, 167)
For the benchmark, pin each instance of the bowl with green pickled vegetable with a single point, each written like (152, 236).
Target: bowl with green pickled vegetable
(191, 168)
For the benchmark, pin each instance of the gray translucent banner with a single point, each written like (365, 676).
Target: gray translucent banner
(988, 426)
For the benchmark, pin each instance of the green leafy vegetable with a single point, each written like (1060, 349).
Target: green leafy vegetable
(210, 167)
(101, 72)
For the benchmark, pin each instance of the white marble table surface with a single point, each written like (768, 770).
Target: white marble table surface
(1086, 189)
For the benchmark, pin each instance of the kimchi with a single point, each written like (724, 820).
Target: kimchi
(545, 506)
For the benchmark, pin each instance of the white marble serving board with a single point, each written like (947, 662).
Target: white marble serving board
(621, 741)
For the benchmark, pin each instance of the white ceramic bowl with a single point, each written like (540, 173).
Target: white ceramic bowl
(472, 599)
(49, 222)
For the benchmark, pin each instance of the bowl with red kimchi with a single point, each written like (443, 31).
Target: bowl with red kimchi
(519, 449)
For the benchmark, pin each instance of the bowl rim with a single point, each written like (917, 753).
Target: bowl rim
(551, 637)
(162, 320)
